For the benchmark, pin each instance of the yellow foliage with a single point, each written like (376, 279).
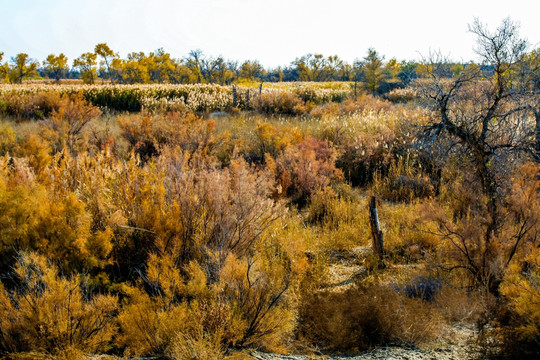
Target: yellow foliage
(36, 150)
(7, 138)
(47, 313)
(273, 140)
(523, 294)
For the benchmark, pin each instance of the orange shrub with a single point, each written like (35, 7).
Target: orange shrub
(63, 128)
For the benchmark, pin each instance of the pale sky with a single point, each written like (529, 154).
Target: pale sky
(275, 32)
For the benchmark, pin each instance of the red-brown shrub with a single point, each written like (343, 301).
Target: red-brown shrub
(305, 168)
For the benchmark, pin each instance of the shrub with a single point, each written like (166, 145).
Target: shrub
(422, 287)
(404, 182)
(280, 102)
(184, 313)
(402, 95)
(148, 134)
(49, 218)
(37, 151)
(217, 274)
(198, 346)
(63, 128)
(305, 168)
(457, 305)
(29, 105)
(461, 220)
(365, 141)
(50, 314)
(362, 318)
(7, 139)
(520, 286)
(272, 140)
(337, 216)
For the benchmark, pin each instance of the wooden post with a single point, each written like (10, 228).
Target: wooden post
(260, 89)
(234, 97)
(378, 245)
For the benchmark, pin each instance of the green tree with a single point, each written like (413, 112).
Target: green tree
(22, 67)
(4, 68)
(311, 67)
(195, 63)
(107, 55)
(56, 65)
(392, 68)
(373, 70)
(160, 66)
(407, 72)
(251, 70)
(86, 63)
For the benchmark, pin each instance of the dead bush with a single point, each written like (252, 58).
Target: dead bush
(404, 182)
(362, 318)
(198, 346)
(458, 305)
(402, 95)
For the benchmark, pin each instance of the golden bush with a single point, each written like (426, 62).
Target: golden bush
(50, 314)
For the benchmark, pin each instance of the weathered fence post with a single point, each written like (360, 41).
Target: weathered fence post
(260, 89)
(378, 245)
(234, 97)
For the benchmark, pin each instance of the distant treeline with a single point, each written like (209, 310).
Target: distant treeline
(104, 64)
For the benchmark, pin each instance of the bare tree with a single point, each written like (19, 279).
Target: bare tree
(479, 112)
